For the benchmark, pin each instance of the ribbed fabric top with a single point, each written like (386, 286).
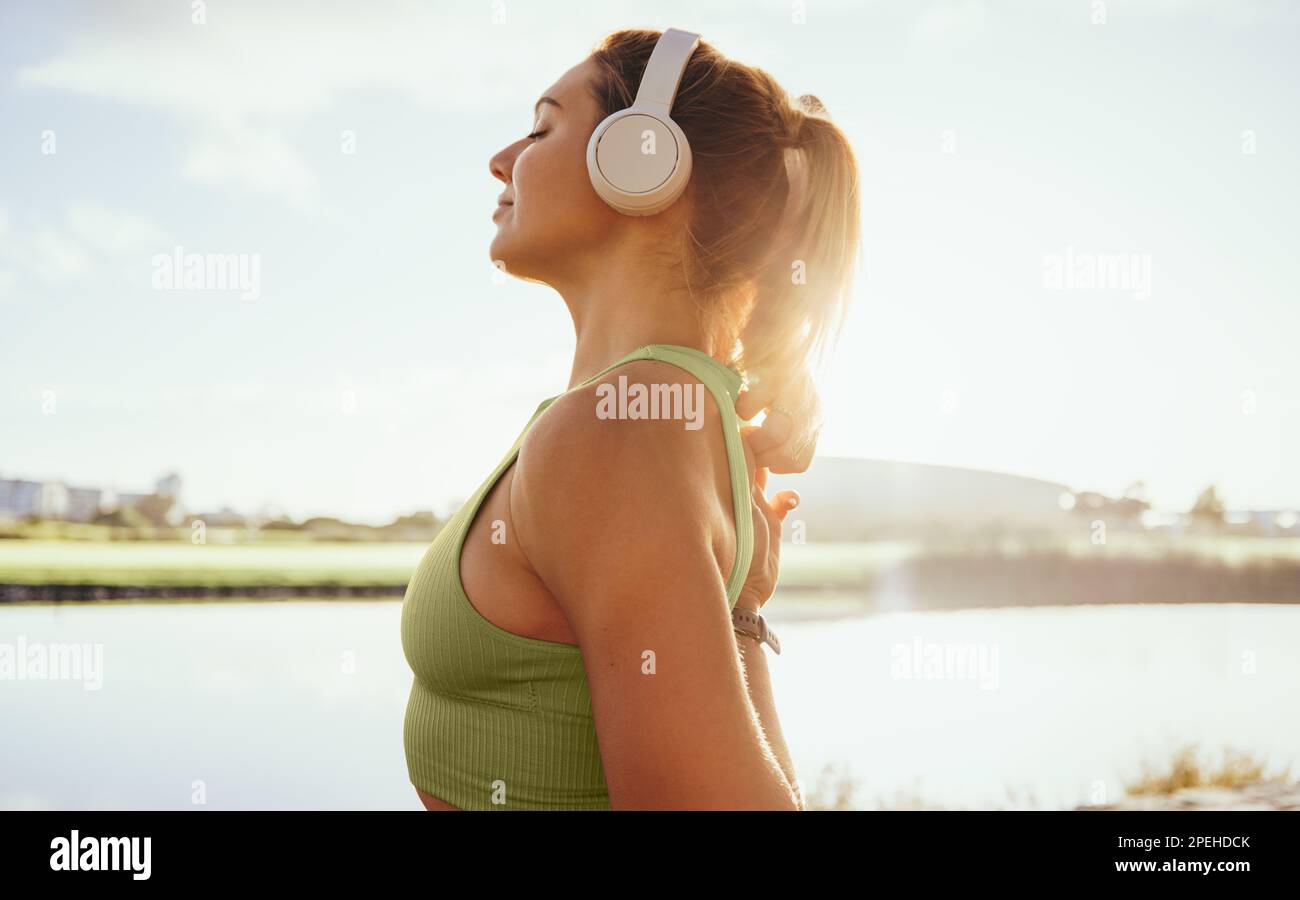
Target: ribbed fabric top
(497, 720)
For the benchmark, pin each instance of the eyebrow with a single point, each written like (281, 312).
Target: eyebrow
(550, 100)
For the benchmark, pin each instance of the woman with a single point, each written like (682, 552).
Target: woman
(596, 665)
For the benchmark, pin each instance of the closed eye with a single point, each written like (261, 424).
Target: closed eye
(536, 135)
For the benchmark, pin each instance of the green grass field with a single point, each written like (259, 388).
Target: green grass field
(148, 563)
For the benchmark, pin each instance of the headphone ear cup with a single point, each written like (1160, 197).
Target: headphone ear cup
(638, 162)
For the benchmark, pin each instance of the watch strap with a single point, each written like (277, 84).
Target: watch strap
(747, 621)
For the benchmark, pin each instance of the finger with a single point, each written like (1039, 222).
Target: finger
(785, 460)
(762, 527)
(774, 432)
(754, 400)
(759, 500)
(778, 460)
(763, 505)
(783, 503)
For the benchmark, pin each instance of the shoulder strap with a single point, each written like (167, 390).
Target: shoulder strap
(724, 384)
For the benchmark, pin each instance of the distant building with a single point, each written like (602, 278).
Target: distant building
(223, 518)
(57, 500)
(125, 501)
(169, 485)
(84, 504)
(844, 499)
(1266, 522)
(46, 499)
(1271, 523)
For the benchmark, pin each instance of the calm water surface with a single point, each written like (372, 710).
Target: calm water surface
(299, 705)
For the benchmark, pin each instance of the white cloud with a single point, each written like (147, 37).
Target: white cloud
(241, 84)
(55, 258)
(113, 231)
(92, 239)
(261, 159)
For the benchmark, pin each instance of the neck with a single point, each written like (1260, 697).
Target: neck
(613, 314)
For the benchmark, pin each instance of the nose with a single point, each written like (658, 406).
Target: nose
(502, 165)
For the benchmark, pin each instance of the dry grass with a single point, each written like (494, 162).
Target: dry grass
(836, 789)
(1187, 771)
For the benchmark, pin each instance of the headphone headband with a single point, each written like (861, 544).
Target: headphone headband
(663, 73)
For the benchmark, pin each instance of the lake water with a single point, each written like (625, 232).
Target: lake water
(299, 705)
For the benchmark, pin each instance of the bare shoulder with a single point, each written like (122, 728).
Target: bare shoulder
(648, 414)
(629, 461)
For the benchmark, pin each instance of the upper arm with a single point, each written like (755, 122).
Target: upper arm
(618, 518)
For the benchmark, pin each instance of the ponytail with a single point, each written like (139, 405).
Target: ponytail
(803, 287)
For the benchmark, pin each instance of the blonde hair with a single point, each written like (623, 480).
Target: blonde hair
(772, 244)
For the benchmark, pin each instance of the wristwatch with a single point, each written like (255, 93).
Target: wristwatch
(746, 621)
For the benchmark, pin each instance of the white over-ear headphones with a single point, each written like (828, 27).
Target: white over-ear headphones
(638, 158)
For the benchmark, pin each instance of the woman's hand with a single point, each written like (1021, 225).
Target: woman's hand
(787, 439)
(765, 566)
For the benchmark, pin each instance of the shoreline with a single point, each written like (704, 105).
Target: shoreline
(1256, 796)
(99, 593)
(791, 605)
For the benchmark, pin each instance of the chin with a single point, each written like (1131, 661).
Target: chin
(512, 259)
(499, 253)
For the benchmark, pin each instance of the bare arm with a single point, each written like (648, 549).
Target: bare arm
(759, 682)
(620, 520)
(760, 583)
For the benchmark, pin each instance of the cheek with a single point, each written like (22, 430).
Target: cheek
(553, 190)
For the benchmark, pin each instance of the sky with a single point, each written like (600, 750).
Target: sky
(383, 368)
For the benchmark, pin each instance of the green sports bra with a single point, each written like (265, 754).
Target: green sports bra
(497, 720)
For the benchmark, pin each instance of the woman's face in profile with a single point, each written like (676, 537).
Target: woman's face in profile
(550, 213)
